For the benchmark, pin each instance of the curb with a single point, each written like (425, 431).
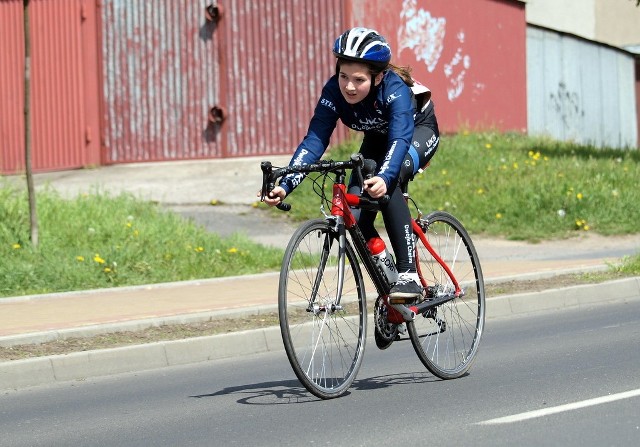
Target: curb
(82, 365)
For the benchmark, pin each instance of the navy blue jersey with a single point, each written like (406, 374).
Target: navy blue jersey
(388, 111)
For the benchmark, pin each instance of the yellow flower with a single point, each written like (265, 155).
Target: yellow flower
(255, 204)
(579, 196)
(16, 246)
(498, 215)
(107, 270)
(213, 202)
(465, 133)
(443, 172)
(488, 145)
(98, 259)
(232, 250)
(480, 191)
(515, 165)
(129, 224)
(80, 258)
(199, 249)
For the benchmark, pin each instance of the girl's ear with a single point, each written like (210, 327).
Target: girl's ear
(378, 79)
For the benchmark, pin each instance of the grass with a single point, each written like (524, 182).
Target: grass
(97, 241)
(501, 185)
(520, 188)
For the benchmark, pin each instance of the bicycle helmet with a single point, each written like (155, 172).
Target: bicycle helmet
(363, 45)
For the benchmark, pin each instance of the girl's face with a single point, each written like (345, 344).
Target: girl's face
(355, 81)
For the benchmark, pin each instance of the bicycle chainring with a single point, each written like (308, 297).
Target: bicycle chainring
(385, 332)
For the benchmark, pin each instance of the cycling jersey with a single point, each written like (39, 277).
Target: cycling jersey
(388, 110)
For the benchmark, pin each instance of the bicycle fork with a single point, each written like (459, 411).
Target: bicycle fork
(338, 233)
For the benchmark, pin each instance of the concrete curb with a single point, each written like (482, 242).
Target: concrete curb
(82, 365)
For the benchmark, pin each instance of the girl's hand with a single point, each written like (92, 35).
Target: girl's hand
(274, 197)
(375, 187)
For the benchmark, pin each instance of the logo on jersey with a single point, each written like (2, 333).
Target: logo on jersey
(327, 103)
(392, 97)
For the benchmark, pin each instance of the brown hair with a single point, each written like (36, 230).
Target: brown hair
(404, 72)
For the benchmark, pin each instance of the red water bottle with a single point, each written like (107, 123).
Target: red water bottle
(383, 258)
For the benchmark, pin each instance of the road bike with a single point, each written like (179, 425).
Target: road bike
(322, 302)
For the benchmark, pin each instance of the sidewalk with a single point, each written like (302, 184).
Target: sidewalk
(187, 187)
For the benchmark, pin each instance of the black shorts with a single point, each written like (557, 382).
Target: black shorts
(426, 137)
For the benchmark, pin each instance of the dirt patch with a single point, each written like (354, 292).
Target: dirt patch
(221, 326)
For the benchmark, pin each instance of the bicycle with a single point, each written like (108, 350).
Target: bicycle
(321, 293)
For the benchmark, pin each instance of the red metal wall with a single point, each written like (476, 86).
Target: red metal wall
(471, 53)
(118, 81)
(262, 64)
(65, 116)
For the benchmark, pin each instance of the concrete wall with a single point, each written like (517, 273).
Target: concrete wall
(614, 22)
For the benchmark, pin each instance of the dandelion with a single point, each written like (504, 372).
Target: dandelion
(443, 172)
(515, 165)
(488, 145)
(498, 215)
(232, 250)
(213, 202)
(107, 270)
(480, 191)
(579, 196)
(98, 259)
(136, 233)
(562, 213)
(129, 224)
(80, 258)
(581, 224)
(199, 249)
(16, 246)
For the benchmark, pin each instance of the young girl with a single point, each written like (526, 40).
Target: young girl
(401, 134)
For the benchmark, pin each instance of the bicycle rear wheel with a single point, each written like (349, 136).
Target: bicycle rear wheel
(446, 337)
(322, 308)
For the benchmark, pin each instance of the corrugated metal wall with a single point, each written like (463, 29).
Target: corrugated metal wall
(579, 90)
(165, 67)
(63, 122)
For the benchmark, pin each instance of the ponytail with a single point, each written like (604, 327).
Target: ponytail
(403, 72)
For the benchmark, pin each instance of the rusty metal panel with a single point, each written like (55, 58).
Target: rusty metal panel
(471, 53)
(160, 78)
(278, 57)
(57, 105)
(165, 67)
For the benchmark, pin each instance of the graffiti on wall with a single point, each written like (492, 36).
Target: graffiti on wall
(566, 104)
(424, 35)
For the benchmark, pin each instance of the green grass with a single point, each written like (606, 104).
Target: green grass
(520, 188)
(98, 241)
(500, 185)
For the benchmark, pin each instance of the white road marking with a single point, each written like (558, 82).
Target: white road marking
(561, 408)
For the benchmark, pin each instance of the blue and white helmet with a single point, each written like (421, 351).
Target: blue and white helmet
(363, 45)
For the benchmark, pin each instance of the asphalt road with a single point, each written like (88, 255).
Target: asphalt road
(580, 367)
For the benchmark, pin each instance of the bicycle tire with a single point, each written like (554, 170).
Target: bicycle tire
(446, 338)
(324, 332)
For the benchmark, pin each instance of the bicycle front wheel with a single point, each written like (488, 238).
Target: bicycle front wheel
(446, 337)
(322, 309)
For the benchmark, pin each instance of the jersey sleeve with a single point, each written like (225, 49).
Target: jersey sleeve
(316, 141)
(397, 97)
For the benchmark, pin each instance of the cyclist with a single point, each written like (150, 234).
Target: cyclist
(401, 134)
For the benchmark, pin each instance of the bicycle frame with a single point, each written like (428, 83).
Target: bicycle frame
(344, 220)
(345, 216)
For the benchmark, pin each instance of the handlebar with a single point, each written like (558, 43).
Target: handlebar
(362, 169)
